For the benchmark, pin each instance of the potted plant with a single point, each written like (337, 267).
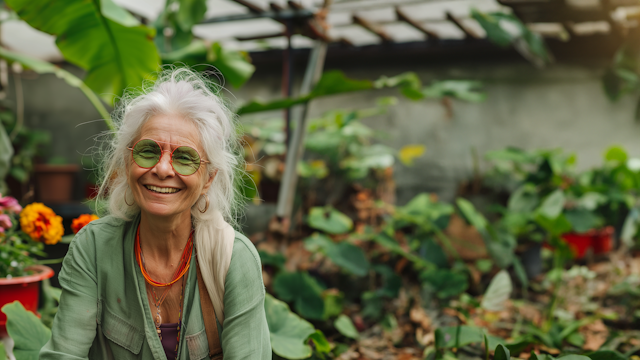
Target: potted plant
(54, 181)
(23, 233)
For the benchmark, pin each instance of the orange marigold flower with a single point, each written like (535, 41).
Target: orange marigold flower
(81, 221)
(41, 223)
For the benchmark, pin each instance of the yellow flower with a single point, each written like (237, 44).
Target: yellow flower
(41, 223)
(82, 220)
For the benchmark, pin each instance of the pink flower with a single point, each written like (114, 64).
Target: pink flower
(5, 222)
(9, 203)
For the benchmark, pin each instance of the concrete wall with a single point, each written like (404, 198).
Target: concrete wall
(560, 106)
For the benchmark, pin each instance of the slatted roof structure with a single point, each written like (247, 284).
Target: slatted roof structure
(366, 27)
(370, 27)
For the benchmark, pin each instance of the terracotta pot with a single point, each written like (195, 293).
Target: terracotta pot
(54, 183)
(24, 289)
(600, 241)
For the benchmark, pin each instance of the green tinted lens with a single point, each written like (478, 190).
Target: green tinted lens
(186, 160)
(146, 153)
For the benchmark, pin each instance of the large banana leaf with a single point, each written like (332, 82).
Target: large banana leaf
(43, 67)
(100, 37)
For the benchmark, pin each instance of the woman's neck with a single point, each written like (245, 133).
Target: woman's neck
(163, 239)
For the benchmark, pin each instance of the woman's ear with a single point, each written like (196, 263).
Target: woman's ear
(207, 185)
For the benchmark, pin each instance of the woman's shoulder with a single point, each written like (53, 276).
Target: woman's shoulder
(244, 252)
(100, 231)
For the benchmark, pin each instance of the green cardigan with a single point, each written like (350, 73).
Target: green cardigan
(104, 312)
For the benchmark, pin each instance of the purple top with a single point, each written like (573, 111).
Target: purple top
(169, 339)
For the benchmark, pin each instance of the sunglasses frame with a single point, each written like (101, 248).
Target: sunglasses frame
(162, 151)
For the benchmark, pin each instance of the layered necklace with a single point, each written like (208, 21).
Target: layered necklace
(183, 267)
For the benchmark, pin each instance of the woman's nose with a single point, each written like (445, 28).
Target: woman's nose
(164, 168)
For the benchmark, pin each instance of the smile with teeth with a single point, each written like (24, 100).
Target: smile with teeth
(162, 190)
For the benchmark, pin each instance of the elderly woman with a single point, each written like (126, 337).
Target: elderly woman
(165, 275)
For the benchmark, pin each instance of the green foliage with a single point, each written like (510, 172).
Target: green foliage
(234, 65)
(445, 283)
(335, 82)
(347, 256)
(288, 332)
(507, 29)
(17, 250)
(502, 353)
(6, 152)
(98, 36)
(458, 336)
(303, 290)
(26, 330)
(329, 220)
(345, 326)
(320, 343)
(43, 67)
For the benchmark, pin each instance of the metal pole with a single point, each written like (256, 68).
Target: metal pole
(296, 145)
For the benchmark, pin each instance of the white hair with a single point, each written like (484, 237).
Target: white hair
(183, 92)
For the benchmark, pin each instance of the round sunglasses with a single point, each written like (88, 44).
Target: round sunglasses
(185, 160)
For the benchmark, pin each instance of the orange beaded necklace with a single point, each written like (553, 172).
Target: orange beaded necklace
(183, 267)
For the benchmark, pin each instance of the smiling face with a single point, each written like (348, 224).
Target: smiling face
(160, 190)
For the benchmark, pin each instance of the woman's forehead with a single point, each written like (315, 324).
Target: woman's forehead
(171, 130)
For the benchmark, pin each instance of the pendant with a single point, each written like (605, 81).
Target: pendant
(158, 320)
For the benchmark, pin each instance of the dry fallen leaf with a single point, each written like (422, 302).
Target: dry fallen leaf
(419, 316)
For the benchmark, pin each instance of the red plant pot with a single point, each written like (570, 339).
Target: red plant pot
(599, 240)
(24, 289)
(602, 242)
(579, 243)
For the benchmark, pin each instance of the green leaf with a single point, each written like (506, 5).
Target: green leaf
(233, 65)
(582, 220)
(334, 82)
(467, 90)
(463, 335)
(320, 342)
(288, 332)
(329, 220)
(616, 154)
(606, 355)
(558, 226)
(498, 292)
(345, 326)
(190, 12)
(524, 199)
(3, 352)
(573, 357)
(6, 153)
(303, 290)
(535, 356)
(445, 283)
(278, 260)
(552, 205)
(349, 257)
(115, 54)
(502, 353)
(43, 67)
(115, 13)
(474, 217)
(26, 330)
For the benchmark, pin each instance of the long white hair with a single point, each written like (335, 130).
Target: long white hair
(183, 92)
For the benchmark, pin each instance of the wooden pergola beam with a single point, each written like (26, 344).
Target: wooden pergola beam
(275, 7)
(468, 33)
(406, 18)
(372, 28)
(251, 6)
(294, 5)
(260, 37)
